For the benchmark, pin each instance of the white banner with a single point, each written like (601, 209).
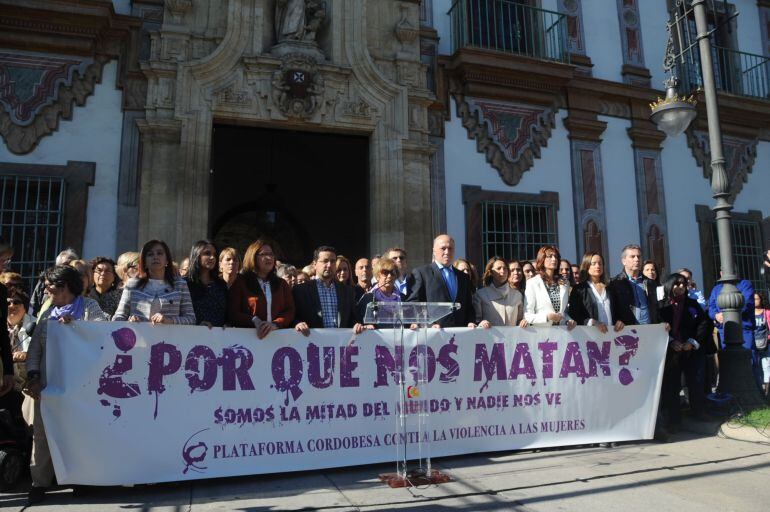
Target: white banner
(133, 403)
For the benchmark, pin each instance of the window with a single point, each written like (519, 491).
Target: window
(747, 252)
(748, 243)
(36, 219)
(516, 230)
(31, 220)
(506, 224)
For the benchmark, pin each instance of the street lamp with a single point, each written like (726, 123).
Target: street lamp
(672, 115)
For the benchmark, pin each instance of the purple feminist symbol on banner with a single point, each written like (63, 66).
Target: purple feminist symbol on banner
(194, 453)
(631, 344)
(111, 381)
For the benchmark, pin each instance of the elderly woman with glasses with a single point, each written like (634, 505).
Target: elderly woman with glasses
(386, 273)
(258, 297)
(105, 289)
(64, 285)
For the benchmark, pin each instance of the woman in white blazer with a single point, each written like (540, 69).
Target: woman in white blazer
(547, 295)
(498, 304)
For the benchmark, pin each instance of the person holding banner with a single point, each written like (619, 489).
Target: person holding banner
(439, 281)
(208, 291)
(258, 297)
(65, 287)
(498, 303)
(324, 302)
(158, 295)
(690, 331)
(547, 294)
(591, 302)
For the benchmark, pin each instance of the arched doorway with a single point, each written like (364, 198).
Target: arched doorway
(300, 189)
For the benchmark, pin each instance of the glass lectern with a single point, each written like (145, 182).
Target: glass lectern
(411, 367)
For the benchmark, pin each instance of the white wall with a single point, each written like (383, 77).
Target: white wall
(754, 195)
(684, 187)
(442, 26)
(602, 38)
(653, 18)
(619, 190)
(466, 166)
(92, 135)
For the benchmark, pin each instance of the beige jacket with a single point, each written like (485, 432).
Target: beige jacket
(502, 306)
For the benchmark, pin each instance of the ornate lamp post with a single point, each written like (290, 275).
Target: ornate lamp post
(672, 115)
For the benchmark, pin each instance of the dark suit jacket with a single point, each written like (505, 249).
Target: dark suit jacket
(583, 305)
(307, 305)
(695, 324)
(429, 286)
(5, 340)
(624, 294)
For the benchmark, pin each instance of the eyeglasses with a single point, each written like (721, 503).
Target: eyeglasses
(266, 255)
(388, 272)
(102, 271)
(54, 285)
(14, 302)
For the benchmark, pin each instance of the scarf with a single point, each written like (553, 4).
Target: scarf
(76, 309)
(379, 296)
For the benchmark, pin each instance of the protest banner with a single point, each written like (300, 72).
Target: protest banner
(132, 403)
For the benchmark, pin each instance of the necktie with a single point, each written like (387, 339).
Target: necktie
(450, 283)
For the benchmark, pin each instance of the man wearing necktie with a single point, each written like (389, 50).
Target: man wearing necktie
(439, 281)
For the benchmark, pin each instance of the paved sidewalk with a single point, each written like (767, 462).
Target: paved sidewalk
(694, 472)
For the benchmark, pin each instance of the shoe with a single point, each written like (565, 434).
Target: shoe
(661, 435)
(36, 495)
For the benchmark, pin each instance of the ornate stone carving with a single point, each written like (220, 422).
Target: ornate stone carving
(298, 20)
(509, 134)
(36, 89)
(739, 153)
(231, 96)
(297, 87)
(406, 32)
(358, 108)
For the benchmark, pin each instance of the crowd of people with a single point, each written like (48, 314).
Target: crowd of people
(218, 288)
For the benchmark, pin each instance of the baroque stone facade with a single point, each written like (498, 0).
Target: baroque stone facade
(360, 73)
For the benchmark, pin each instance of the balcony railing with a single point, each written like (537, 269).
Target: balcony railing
(740, 73)
(510, 27)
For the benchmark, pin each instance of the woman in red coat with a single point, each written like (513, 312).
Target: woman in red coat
(258, 297)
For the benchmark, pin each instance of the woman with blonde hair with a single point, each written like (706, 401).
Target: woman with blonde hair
(229, 265)
(497, 303)
(127, 267)
(547, 294)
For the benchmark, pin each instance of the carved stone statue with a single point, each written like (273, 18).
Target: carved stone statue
(289, 20)
(298, 20)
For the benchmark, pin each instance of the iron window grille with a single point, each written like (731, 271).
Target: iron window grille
(747, 251)
(515, 230)
(31, 221)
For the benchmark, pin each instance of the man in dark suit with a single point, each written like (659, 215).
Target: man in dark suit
(636, 295)
(324, 302)
(439, 281)
(405, 280)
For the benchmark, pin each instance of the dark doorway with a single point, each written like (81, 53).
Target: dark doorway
(300, 189)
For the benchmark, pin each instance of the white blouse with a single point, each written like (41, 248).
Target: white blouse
(603, 306)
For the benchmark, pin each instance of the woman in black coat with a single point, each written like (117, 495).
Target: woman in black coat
(690, 333)
(591, 302)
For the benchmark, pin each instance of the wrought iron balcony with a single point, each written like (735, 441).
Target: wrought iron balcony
(739, 73)
(510, 27)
